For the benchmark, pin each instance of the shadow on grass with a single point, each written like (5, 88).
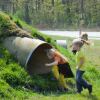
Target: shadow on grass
(56, 92)
(48, 85)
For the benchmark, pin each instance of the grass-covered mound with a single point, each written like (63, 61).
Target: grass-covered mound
(16, 83)
(9, 28)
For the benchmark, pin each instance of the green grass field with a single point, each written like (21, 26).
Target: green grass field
(17, 84)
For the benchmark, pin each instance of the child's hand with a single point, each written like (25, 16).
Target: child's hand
(46, 65)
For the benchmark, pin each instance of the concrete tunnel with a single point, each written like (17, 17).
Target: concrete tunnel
(30, 53)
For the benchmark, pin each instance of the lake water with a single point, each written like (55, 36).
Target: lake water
(74, 34)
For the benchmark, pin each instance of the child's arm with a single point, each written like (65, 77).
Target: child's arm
(87, 42)
(52, 64)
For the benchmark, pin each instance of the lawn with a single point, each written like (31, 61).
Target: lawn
(17, 84)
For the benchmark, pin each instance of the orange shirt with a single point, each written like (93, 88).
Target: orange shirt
(58, 58)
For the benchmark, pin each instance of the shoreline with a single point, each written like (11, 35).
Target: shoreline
(84, 29)
(73, 34)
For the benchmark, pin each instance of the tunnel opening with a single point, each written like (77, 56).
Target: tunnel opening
(38, 59)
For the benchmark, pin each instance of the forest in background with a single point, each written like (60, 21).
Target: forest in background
(55, 14)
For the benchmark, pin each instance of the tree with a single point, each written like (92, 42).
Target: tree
(26, 11)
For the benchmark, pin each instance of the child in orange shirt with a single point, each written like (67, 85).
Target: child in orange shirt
(61, 67)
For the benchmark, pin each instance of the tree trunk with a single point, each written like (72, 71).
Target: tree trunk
(53, 3)
(27, 17)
